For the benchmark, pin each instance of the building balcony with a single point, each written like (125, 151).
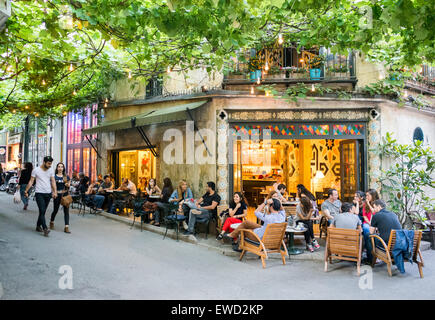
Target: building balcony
(285, 67)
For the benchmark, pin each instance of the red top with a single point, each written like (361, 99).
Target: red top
(367, 214)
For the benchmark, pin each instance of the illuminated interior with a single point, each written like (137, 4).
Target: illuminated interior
(315, 163)
(138, 166)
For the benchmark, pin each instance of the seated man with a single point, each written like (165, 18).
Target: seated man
(383, 222)
(331, 206)
(203, 208)
(91, 195)
(347, 219)
(105, 186)
(275, 214)
(127, 185)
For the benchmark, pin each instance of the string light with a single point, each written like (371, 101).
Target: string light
(64, 113)
(258, 81)
(9, 69)
(129, 74)
(74, 92)
(168, 70)
(26, 107)
(36, 114)
(107, 100)
(28, 59)
(267, 93)
(312, 88)
(43, 82)
(405, 94)
(301, 61)
(105, 105)
(280, 39)
(266, 66)
(13, 111)
(252, 90)
(71, 68)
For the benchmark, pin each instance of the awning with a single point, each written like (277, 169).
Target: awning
(165, 115)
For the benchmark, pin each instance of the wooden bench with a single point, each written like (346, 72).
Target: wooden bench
(343, 244)
(385, 252)
(273, 241)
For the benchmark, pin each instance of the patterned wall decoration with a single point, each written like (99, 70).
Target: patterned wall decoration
(287, 130)
(326, 158)
(314, 130)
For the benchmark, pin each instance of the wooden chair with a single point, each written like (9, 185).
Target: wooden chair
(290, 210)
(273, 241)
(219, 224)
(431, 224)
(343, 244)
(385, 252)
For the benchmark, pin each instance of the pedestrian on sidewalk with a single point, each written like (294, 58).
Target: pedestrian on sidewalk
(62, 186)
(44, 190)
(25, 175)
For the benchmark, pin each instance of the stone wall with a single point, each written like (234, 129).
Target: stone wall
(197, 175)
(368, 72)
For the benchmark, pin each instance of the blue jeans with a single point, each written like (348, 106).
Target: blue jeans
(98, 201)
(42, 200)
(193, 217)
(23, 198)
(367, 241)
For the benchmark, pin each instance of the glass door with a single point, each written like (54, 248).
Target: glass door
(349, 169)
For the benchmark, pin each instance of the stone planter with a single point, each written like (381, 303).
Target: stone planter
(236, 76)
(298, 76)
(276, 76)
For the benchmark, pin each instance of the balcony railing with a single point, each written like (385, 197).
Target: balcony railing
(287, 65)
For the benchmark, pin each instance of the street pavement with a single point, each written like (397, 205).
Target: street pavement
(105, 259)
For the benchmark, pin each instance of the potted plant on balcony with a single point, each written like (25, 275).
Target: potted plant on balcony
(315, 64)
(298, 73)
(338, 71)
(276, 73)
(254, 67)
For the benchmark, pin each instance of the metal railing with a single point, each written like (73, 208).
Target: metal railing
(293, 65)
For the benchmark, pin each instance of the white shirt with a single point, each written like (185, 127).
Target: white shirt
(43, 179)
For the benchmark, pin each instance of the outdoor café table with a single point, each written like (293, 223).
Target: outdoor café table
(154, 198)
(290, 244)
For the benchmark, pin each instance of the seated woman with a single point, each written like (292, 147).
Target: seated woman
(237, 211)
(304, 192)
(152, 189)
(179, 196)
(163, 204)
(304, 214)
(275, 215)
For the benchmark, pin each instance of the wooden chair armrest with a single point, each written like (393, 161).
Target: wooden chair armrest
(372, 238)
(242, 234)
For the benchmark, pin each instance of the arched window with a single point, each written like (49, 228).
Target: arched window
(418, 135)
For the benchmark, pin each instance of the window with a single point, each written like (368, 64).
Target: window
(81, 157)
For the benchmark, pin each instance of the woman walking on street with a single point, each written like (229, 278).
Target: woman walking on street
(62, 185)
(25, 175)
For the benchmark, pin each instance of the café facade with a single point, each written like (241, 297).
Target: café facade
(245, 142)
